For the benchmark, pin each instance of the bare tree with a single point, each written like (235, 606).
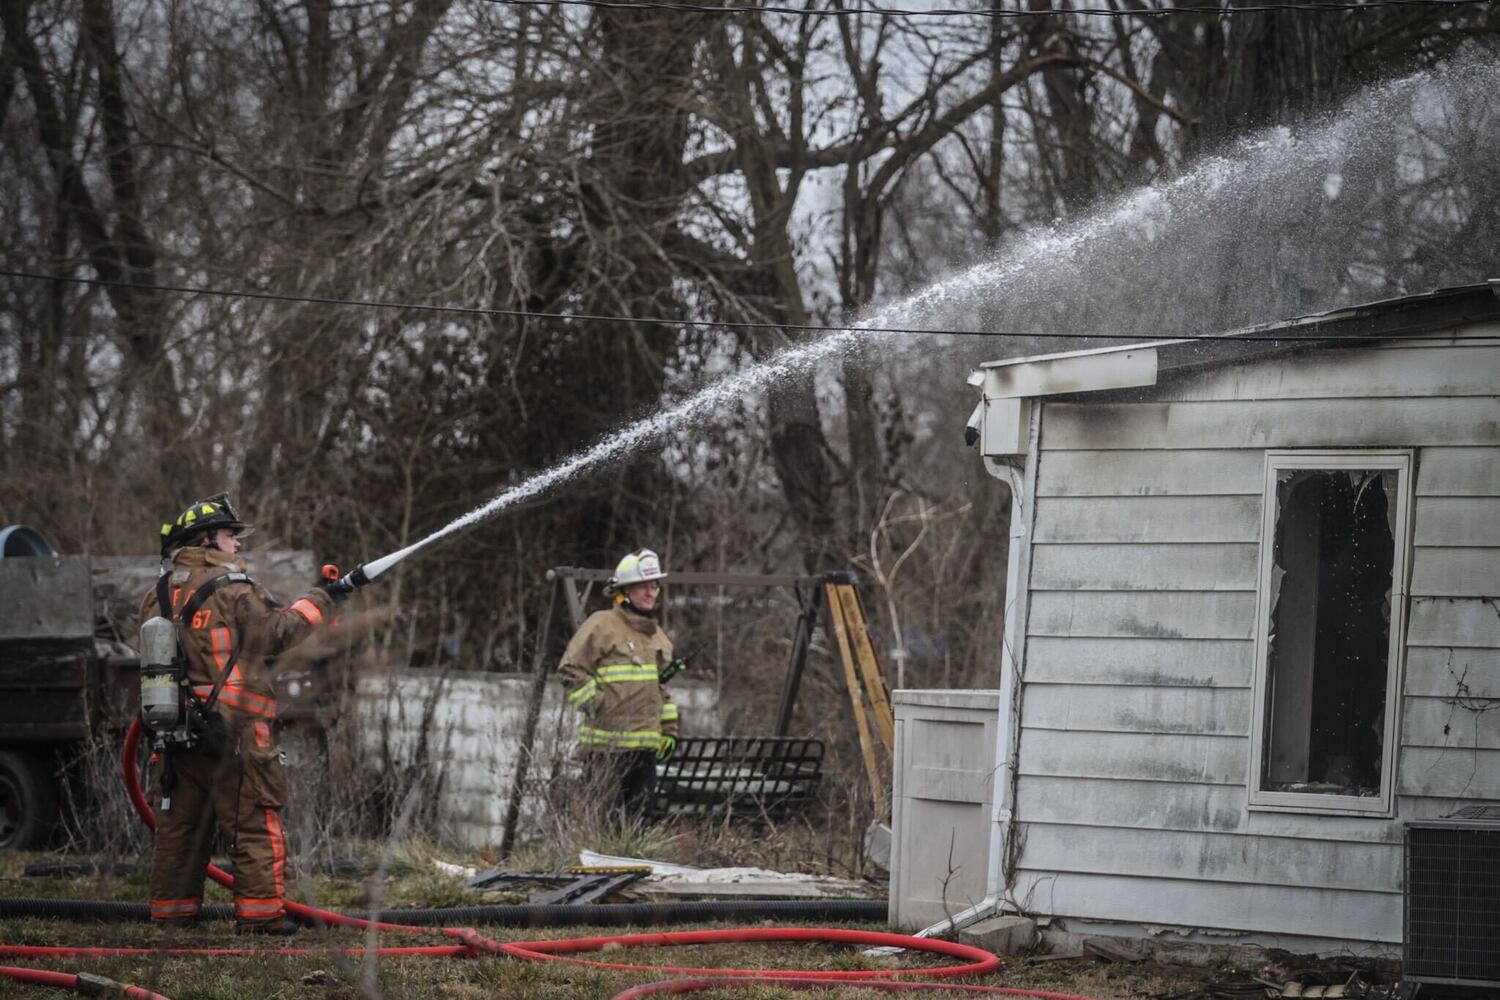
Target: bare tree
(658, 166)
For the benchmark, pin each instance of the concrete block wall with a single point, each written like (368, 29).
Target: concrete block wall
(474, 722)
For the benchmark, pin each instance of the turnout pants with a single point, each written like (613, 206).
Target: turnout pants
(626, 779)
(241, 794)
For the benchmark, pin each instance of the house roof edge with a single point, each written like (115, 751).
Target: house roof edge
(1404, 315)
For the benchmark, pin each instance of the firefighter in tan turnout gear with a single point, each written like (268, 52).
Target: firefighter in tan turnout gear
(612, 671)
(220, 765)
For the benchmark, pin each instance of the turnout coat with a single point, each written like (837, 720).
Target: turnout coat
(612, 673)
(236, 613)
(241, 793)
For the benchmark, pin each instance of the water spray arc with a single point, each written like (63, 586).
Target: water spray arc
(1193, 233)
(1029, 277)
(787, 363)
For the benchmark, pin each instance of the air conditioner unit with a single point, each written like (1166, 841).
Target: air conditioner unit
(1451, 915)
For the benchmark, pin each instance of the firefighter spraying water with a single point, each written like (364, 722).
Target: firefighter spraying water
(241, 614)
(207, 700)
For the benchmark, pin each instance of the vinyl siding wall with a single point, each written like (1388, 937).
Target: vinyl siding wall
(1136, 714)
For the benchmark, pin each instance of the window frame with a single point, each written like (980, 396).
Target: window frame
(1403, 463)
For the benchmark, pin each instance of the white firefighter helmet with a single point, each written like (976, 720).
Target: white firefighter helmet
(640, 566)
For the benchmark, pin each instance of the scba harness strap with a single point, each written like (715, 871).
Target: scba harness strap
(191, 608)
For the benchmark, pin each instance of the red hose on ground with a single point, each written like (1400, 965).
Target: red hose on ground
(472, 943)
(67, 981)
(94, 951)
(699, 985)
(980, 963)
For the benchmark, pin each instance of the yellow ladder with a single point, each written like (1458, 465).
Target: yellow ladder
(853, 634)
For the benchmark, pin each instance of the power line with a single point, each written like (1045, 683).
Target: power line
(1267, 8)
(234, 293)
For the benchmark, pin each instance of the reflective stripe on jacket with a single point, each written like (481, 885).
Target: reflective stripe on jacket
(612, 674)
(236, 613)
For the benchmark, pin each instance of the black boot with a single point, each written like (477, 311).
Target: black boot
(275, 928)
(180, 924)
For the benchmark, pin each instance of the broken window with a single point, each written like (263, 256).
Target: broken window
(1331, 563)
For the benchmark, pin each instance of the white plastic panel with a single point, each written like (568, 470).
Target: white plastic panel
(945, 759)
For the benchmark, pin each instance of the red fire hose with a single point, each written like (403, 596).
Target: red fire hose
(980, 963)
(473, 944)
(67, 981)
(699, 985)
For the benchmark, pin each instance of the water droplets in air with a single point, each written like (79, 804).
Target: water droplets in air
(1267, 228)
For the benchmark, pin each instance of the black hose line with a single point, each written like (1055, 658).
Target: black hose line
(518, 915)
(77, 869)
(94, 910)
(642, 914)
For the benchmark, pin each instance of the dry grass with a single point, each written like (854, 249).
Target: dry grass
(409, 879)
(401, 871)
(328, 973)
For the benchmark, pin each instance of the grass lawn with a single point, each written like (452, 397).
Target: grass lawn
(407, 881)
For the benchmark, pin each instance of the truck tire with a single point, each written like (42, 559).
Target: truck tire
(28, 801)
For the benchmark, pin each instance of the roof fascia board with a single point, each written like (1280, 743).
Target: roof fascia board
(1086, 371)
(1111, 349)
(1413, 314)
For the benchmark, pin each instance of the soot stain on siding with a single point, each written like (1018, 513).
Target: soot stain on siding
(1131, 625)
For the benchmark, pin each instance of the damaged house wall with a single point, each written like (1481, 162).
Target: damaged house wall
(1158, 624)
(1327, 651)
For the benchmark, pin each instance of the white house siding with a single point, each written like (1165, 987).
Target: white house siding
(1136, 715)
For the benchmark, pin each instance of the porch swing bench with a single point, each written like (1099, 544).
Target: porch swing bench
(752, 777)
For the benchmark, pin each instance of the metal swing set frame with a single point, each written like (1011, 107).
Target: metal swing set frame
(767, 777)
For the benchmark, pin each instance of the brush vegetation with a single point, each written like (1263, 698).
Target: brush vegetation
(330, 974)
(649, 166)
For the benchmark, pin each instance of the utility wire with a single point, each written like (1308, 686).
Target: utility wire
(232, 293)
(1267, 8)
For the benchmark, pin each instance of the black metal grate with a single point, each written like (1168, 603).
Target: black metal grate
(756, 777)
(1452, 899)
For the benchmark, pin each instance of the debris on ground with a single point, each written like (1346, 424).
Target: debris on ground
(1117, 949)
(90, 985)
(1361, 985)
(1007, 934)
(322, 977)
(682, 880)
(878, 844)
(594, 859)
(576, 887)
